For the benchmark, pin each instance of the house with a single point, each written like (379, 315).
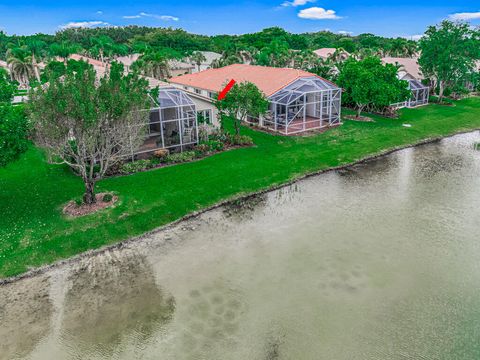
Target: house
(99, 67)
(127, 60)
(409, 70)
(172, 122)
(328, 54)
(299, 101)
(178, 67)
(210, 57)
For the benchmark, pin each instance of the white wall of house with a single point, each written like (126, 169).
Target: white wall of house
(203, 104)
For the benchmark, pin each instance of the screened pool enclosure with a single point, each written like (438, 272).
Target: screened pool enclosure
(173, 123)
(306, 104)
(420, 95)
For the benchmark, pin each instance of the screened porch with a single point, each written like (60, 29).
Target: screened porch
(173, 123)
(306, 104)
(420, 95)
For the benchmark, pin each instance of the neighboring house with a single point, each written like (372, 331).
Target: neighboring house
(99, 67)
(299, 101)
(172, 122)
(128, 60)
(210, 57)
(409, 70)
(178, 68)
(407, 65)
(328, 53)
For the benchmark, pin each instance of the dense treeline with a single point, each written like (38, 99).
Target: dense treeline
(134, 37)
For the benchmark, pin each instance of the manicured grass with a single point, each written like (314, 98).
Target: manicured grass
(33, 232)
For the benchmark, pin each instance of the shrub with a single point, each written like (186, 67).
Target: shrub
(78, 202)
(241, 140)
(202, 149)
(215, 145)
(135, 166)
(107, 198)
(181, 157)
(161, 153)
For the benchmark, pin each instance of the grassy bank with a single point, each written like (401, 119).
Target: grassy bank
(33, 232)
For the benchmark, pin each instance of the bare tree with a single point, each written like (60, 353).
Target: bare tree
(90, 124)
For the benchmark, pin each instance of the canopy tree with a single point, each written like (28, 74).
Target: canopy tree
(448, 53)
(244, 99)
(90, 124)
(369, 83)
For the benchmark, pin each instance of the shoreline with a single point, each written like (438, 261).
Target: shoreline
(89, 253)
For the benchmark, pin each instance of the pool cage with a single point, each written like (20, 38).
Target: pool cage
(420, 95)
(306, 104)
(173, 124)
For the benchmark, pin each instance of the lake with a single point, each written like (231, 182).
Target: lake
(377, 261)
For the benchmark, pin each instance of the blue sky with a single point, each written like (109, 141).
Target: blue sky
(402, 18)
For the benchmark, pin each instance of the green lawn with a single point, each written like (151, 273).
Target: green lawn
(33, 232)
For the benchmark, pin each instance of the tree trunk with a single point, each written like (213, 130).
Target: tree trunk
(359, 111)
(89, 195)
(440, 91)
(35, 68)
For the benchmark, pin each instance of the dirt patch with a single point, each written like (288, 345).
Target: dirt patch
(360, 118)
(72, 209)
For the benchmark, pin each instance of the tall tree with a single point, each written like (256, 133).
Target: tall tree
(369, 83)
(448, 53)
(244, 99)
(87, 124)
(36, 47)
(102, 46)
(63, 50)
(198, 58)
(19, 61)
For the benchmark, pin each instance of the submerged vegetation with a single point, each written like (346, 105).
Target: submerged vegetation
(34, 232)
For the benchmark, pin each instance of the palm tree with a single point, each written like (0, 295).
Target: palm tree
(305, 60)
(154, 64)
(36, 47)
(225, 60)
(63, 50)
(197, 57)
(20, 64)
(102, 46)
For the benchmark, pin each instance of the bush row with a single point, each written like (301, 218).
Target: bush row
(214, 144)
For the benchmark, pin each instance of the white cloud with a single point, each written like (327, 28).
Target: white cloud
(465, 16)
(318, 13)
(83, 24)
(343, 32)
(155, 16)
(99, 12)
(297, 2)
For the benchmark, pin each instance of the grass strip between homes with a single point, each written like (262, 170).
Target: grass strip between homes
(33, 231)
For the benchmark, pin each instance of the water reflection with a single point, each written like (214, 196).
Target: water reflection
(378, 261)
(25, 316)
(110, 301)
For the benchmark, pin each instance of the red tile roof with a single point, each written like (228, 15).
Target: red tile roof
(268, 79)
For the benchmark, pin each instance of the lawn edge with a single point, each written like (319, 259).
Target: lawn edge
(118, 245)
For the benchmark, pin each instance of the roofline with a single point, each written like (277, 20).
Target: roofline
(309, 74)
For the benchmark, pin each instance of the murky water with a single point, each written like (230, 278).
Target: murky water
(380, 261)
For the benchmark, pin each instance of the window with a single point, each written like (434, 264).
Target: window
(211, 95)
(198, 91)
(204, 116)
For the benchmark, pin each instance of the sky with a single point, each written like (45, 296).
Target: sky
(406, 18)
